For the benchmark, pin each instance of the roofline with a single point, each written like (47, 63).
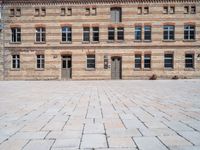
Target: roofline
(25, 2)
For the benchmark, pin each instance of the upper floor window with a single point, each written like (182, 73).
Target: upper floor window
(94, 11)
(90, 61)
(169, 33)
(138, 33)
(15, 61)
(146, 10)
(168, 9)
(147, 33)
(120, 33)
(189, 9)
(87, 11)
(69, 11)
(40, 34)
(168, 61)
(116, 14)
(15, 12)
(138, 61)
(143, 10)
(40, 11)
(189, 32)
(111, 33)
(147, 61)
(62, 11)
(40, 61)
(95, 34)
(139, 10)
(86, 34)
(66, 34)
(16, 34)
(189, 60)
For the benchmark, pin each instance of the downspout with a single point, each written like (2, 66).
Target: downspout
(3, 42)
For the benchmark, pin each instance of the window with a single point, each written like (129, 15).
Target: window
(43, 11)
(168, 61)
(172, 10)
(105, 62)
(138, 61)
(69, 11)
(138, 33)
(18, 12)
(87, 11)
(189, 32)
(86, 34)
(146, 10)
(147, 33)
(62, 11)
(66, 34)
(116, 14)
(169, 32)
(111, 34)
(147, 61)
(189, 60)
(165, 10)
(139, 10)
(12, 12)
(91, 61)
(40, 61)
(94, 11)
(193, 10)
(95, 34)
(15, 61)
(186, 9)
(37, 11)
(16, 35)
(40, 34)
(120, 33)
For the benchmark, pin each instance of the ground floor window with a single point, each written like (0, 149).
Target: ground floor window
(91, 61)
(105, 62)
(147, 61)
(189, 60)
(40, 61)
(168, 61)
(138, 61)
(15, 61)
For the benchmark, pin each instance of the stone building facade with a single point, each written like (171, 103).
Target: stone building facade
(101, 39)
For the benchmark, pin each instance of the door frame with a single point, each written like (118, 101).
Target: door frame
(117, 57)
(70, 56)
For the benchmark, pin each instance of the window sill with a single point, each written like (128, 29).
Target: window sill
(95, 42)
(110, 41)
(39, 69)
(147, 41)
(86, 42)
(169, 69)
(189, 69)
(168, 40)
(137, 69)
(40, 43)
(15, 43)
(137, 40)
(120, 41)
(147, 69)
(189, 40)
(65, 42)
(13, 69)
(90, 69)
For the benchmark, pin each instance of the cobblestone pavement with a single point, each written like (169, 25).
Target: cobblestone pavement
(100, 115)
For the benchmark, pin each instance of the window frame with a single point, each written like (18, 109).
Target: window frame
(42, 34)
(40, 61)
(138, 65)
(120, 30)
(147, 33)
(193, 61)
(114, 12)
(66, 32)
(86, 34)
(147, 57)
(95, 34)
(188, 32)
(16, 35)
(111, 34)
(169, 32)
(171, 63)
(89, 58)
(138, 29)
(16, 61)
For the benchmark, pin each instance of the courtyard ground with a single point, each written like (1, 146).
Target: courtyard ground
(100, 115)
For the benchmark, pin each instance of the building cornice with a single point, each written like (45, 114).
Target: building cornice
(49, 2)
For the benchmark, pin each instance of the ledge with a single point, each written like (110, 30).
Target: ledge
(39, 42)
(66, 42)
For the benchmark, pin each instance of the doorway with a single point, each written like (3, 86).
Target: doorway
(116, 63)
(66, 71)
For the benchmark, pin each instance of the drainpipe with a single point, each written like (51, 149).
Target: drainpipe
(3, 42)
